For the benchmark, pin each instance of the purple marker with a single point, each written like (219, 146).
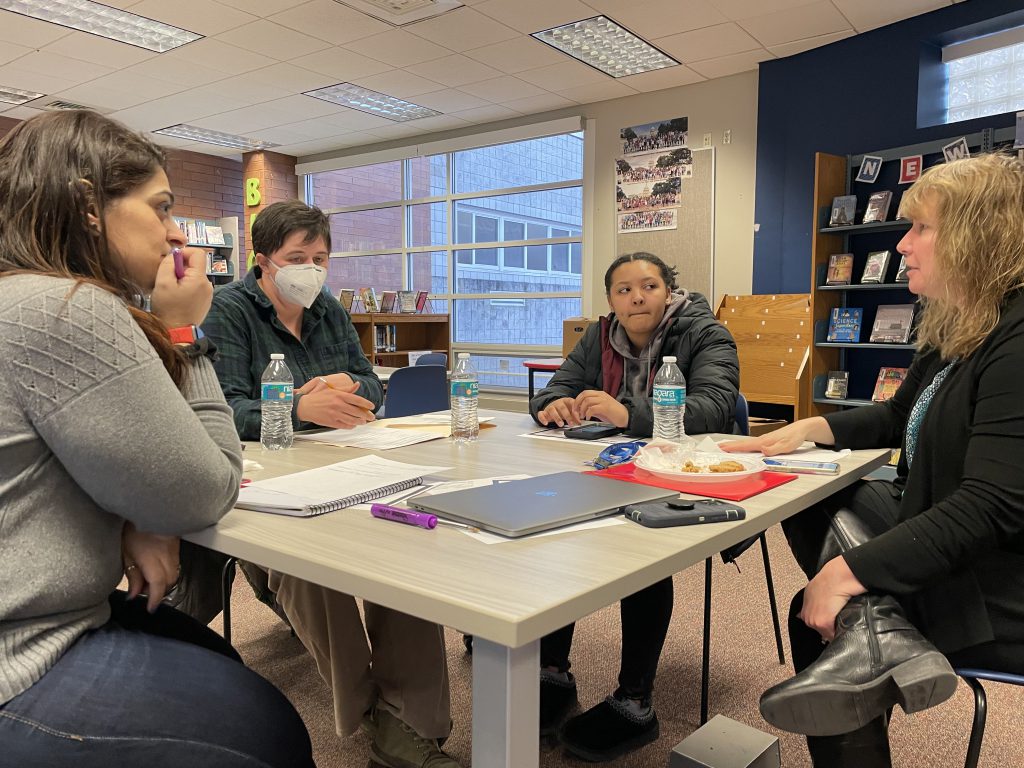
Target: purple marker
(179, 263)
(407, 516)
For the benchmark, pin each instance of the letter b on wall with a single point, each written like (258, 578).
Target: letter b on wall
(252, 192)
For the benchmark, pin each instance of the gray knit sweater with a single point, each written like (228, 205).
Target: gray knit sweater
(93, 432)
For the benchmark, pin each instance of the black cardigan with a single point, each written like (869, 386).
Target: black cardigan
(705, 353)
(956, 561)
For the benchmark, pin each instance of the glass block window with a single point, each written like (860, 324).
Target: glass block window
(986, 83)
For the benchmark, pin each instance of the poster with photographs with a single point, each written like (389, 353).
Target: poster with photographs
(649, 174)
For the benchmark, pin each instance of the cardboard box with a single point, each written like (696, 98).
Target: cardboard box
(572, 331)
(760, 426)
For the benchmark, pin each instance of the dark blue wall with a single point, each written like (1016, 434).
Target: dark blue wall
(854, 96)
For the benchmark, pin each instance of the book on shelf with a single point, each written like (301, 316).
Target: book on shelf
(421, 301)
(844, 324)
(387, 301)
(878, 207)
(214, 235)
(336, 486)
(893, 323)
(874, 267)
(369, 299)
(901, 273)
(840, 269)
(407, 301)
(219, 266)
(888, 381)
(844, 208)
(838, 385)
(386, 340)
(345, 297)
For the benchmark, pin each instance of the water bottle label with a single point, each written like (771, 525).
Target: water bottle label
(465, 389)
(671, 396)
(282, 392)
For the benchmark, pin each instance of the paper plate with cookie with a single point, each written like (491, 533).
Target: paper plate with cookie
(684, 462)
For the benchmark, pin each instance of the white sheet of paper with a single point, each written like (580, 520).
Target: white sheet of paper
(557, 433)
(372, 436)
(492, 538)
(433, 418)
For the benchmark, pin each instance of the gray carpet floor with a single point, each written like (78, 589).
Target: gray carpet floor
(743, 665)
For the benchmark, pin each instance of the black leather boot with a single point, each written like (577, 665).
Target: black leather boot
(867, 747)
(877, 659)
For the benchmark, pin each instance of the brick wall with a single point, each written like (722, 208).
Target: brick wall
(278, 182)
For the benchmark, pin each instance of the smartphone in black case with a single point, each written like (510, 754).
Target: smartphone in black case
(665, 514)
(591, 431)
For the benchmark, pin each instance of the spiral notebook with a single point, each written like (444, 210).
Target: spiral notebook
(336, 486)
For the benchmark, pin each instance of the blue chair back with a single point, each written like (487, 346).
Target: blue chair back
(416, 389)
(742, 415)
(433, 358)
(973, 678)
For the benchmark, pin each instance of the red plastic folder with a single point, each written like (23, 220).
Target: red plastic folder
(735, 490)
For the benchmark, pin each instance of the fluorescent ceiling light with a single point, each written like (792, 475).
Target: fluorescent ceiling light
(365, 100)
(16, 96)
(104, 21)
(207, 136)
(606, 46)
(400, 12)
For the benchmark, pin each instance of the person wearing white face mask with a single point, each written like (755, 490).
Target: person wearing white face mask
(402, 698)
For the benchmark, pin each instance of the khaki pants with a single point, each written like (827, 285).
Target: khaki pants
(397, 662)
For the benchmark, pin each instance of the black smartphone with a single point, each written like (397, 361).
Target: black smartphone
(664, 514)
(591, 431)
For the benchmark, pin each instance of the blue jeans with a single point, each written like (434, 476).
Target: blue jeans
(152, 690)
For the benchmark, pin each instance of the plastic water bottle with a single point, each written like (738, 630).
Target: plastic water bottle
(276, 405)
(669, 401)
(465, 394)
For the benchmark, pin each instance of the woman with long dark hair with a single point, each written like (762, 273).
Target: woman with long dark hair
(114, 440)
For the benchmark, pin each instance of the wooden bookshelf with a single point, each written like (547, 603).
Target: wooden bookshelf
(411, 333)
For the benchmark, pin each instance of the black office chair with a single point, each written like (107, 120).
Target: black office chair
(973, 678)
(729, 556)
(433, 358)
(416, 389)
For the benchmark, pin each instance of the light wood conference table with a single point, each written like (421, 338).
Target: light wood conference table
(506, 595)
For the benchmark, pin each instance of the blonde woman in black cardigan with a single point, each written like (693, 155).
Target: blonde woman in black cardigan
(904, 575)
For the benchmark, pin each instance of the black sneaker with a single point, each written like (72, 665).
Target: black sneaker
(607, 731)
(557, 697)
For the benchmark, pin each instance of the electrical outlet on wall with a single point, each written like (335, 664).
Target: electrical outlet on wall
(707, 139)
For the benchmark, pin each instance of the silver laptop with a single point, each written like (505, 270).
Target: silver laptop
(521, 507)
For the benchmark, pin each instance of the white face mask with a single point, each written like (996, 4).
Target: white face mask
(299, 283)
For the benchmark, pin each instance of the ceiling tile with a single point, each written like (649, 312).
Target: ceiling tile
(812, 20)
(273, 40)
(247, 121)
(330, 21)
(534, 15)
(136, 84)
(290, 79)
(489, 114)
(394, 131)
(659, 18)
(567, 74)
(104, 99)
(502, 89)
(320, 146)
(456, 70)
(12, 52)
(343, 66)
(462, 29)
(199, 16)
(450, 100)
(669, 77)
(398, 83)
(61, 67)
(185, 107)
(869, 14)
(352, 120)
(740, 9)
(262, 8)
(398, 48)
(26, 79)
(22, 112)
(180, 71)
(218, 55)
(249, 89)
(730, 65)
(707, 43)
(517, 55)
(308, 130)
(587, 94)
(97, 50)
(545, 102)
(438, 123)
(15, 28)
(799, 46)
